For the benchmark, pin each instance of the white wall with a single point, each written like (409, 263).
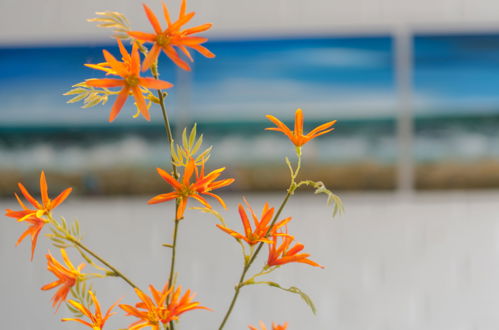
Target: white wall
(58, 21)
(430, 262)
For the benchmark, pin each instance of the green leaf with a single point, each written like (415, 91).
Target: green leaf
(205, 155)
(184, 154)
(73, 310)
(179, 150)
(80, 294)
(77, 226)
(184, 138)
(55, 233)
(197, 145)
(192, 136)
(78, 98)
(289, 166)
(60, 246)
(91, 103)
(83, 255)
(78, 90)
(58, 242)
(64, 224)
(104, 98)
(216, 214)
(295, 290)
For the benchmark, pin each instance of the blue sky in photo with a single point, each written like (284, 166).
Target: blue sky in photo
(456, 73)
(340, 77)
(325, 76)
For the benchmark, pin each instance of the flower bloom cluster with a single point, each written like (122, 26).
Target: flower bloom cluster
(278, 240)
(97, 320)
(185, 189)
(274, 326)
(296, 136)
(280, 254)
(156, 311)
(67, 276)
(262, 225)
(168, 40)
(172, 37)
(37, 217)
(131, 82)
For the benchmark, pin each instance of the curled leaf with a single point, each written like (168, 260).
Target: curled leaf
(113, 20)
(320, 188)
(292, 289)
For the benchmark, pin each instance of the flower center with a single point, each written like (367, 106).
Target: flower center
(152, 317)
(163, 40)
(132, 81)
(188, 191)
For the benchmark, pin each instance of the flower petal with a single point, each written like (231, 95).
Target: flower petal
(196, 29)
(154, 83)
(170, 179)
(135, 60)
(321, 128)
(116, 65)
(141, 102)
(44, 190)
(152, 19)
(163, 198)
(151, 57)
(172, 54)
(118, 104)
(181, 208)
(203, 50)
(142, 36)
(61, 197)
(123, 51)
(166, 14)
(298, 122)
(28, 196)
(105, 82)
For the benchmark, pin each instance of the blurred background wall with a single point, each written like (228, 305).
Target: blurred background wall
(411, 84)
(64, 21)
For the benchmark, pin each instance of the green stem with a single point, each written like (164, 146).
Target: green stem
(248, 264)
(104, 262)
(168, 128)
(174, 248)
(234, 298)
(264, 271)
(169, 135)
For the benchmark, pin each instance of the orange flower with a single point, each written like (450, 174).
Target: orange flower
(297, 136)
(172, 37)
(96, 318)
(184, 190)
(274, 326)
(262, 227)
(34, 217)
(283, 254)
(156, 311)
(67, 277)
(129, 70)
